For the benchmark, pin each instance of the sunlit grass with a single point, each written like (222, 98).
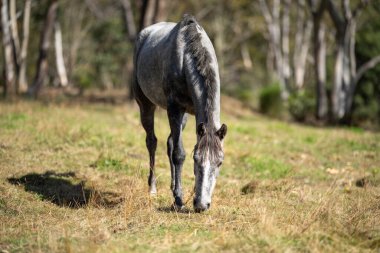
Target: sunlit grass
(303, 194)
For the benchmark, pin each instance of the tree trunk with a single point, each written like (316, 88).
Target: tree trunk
(338, 92)
(247, 62)
(131, 34)
(14, 31)
(302, 44)
(272, 21)
(147, 13)
(61, 69)
(9, 86)
(22, 81)
(152, 11)
(285, 43)
(42, 64)
(74, 16)
(129, 20)
(319, 52)
(320, 69)
(160, 13)
(346, 76)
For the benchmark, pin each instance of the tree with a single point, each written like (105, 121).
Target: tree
(150, 12)
(22, 80)
(14, 31)
(61, 69)
(42, 64)
(272, 20)
(346, 73)
(129, 20)
(319, 54)
(302, 44)
(278, 27)
(10, 77)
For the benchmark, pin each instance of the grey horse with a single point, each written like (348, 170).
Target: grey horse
(175, 67)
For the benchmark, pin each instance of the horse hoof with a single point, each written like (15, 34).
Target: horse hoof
(153, 191)
(177, 207)
(178, 204)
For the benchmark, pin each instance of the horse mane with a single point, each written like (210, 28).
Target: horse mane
(202, 60)
(209, 143)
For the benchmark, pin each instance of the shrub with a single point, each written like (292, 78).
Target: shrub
(301, 105)
(270, 101)
(366, 106)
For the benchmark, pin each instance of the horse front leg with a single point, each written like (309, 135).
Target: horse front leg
(170, 148)
(177, 155)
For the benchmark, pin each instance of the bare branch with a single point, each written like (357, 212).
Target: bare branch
(361, 71)
(365, 67)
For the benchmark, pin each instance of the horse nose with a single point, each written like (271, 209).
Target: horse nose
(200, 206)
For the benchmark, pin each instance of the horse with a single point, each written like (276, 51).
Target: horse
(175, 68)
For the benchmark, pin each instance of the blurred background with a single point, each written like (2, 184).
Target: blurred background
(311, 61)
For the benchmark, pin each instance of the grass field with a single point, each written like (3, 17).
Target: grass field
(73, 178)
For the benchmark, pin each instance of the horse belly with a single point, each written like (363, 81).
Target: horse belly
(151, 83)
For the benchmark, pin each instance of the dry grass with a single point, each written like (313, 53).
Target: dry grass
(74, 179)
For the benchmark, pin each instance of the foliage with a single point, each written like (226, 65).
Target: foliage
(98, 54)
(367, 107)
(270, 101)
(367, 98)
(301, 105)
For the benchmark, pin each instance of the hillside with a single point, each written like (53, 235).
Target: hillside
(73, 178)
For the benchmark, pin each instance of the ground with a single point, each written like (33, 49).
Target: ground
(73, 178)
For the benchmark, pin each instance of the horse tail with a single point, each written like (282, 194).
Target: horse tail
(139, 42)
(201, 61)
(188, 19)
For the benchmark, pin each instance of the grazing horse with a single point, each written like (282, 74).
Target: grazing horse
(175, 67)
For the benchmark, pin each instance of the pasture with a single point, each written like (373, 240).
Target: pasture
(73, 178)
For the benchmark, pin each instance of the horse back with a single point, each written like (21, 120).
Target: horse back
(153, 55)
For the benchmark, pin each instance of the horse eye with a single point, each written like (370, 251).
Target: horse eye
(220, 164)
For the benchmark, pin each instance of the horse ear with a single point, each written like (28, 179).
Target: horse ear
(221, 133)
(201, 129)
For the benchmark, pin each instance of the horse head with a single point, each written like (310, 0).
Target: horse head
(208, 158)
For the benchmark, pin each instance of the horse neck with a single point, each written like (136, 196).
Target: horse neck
(201, 68)
(208, 115)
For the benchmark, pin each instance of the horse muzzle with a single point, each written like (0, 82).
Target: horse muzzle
(201, 206)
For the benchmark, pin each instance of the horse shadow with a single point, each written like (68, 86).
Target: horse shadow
(59, 189)
(172, 209)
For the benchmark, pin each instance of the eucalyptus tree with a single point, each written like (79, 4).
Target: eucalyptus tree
(317, 8)
(9, 66)
(346, 72)
(42, 62)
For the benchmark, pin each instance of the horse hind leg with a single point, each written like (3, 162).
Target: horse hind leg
(147, 110)
(147, 120)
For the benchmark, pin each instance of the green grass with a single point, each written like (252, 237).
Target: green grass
(73, 178)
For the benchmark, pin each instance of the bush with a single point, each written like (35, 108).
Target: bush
(84, 78)
(270, 101)
(366, 106)
(301, 105)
